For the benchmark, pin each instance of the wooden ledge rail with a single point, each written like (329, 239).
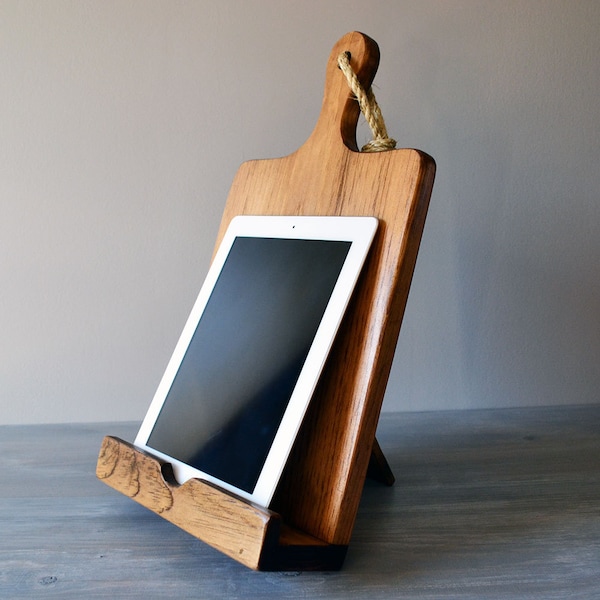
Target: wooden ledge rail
(250, 534)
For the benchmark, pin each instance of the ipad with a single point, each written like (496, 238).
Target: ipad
(232, 398)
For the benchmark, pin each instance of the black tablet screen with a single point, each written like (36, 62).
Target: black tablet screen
(226, 402)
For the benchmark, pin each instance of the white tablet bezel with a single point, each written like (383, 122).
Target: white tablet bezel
(357, 230)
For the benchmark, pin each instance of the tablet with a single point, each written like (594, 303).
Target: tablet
(232, 398)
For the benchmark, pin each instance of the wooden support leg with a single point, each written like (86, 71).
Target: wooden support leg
(379, 468)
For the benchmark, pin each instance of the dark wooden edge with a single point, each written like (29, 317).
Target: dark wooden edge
(250, 534)
(379, 468)
(298, 551)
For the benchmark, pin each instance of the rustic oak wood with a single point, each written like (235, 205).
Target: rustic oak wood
(252, 535)
(198, 507)
(319, 493)
(322, 483)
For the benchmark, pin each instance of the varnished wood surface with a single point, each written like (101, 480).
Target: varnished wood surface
(320, 489)
(487, 504)
(248, 533)
(322, 483)
(237, 528)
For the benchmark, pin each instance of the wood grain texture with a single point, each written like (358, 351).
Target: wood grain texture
(320, 490)
(321, 486)
(488, 505)
(237, 528)
(249, 534)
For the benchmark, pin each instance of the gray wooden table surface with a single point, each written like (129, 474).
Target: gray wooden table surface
(487, 504)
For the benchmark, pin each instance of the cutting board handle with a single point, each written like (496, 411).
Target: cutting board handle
(340, 110)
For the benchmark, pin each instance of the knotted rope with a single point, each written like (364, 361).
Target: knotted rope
(369, 107)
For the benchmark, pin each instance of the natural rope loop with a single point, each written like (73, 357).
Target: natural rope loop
(369, 107)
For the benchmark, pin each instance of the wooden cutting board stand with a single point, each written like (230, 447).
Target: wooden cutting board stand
(310, 521)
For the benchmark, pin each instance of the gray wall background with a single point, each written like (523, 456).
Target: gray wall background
(122, 124)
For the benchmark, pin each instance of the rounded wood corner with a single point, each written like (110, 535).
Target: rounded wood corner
(340, 110)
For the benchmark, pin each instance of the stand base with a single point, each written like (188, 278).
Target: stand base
(250, 534)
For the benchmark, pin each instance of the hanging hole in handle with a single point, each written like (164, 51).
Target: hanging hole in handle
(348, 56)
